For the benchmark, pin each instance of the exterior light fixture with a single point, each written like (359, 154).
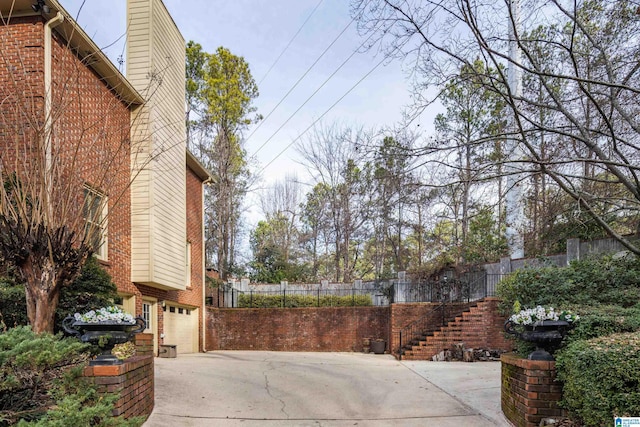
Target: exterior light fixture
(40, 6)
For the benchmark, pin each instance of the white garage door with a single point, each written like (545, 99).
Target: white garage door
(181, 328)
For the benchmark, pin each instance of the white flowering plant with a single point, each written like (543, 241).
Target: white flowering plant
(535, 316)
(105, 314)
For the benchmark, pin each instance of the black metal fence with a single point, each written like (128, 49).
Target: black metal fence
(463, 288)
(293, 298)
(466, 287)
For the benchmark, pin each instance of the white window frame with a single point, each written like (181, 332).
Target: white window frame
(147, 314)
(99, 221)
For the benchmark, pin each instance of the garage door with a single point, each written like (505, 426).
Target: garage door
(181, 328)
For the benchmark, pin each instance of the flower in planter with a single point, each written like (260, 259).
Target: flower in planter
(105, 314)
(537, 315)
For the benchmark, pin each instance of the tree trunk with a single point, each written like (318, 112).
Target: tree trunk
(42, 294)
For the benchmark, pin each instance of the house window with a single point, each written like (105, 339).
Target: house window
(146, 315)
(95, 221)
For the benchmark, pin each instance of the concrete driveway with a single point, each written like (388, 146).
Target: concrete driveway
(233, 388)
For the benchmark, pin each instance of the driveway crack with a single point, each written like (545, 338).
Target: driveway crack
(268, 390)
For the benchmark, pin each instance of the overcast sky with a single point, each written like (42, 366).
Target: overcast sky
(259, 30)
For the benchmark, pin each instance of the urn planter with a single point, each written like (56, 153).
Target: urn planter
(104, 334)
(547, 334)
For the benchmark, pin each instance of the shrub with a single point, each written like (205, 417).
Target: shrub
(41, 383)
(91, 290)
(13, 306)
(605, 320)
(601, 378)
(294, 301)
(602, 291)
(603, 281)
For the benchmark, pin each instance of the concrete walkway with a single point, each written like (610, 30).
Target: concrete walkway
(234, 388)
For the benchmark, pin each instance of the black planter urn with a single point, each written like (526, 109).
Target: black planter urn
(105, 335)
(547, 334)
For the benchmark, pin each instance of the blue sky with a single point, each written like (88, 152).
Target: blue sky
(259, 30)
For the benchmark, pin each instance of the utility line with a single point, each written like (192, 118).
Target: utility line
(323, 114)
(290, 41)
(294, 86)
(306, 101)
(315, 92)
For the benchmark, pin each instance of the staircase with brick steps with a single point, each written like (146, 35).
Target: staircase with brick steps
(478, 327)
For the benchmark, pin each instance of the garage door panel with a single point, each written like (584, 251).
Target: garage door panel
(181, 328)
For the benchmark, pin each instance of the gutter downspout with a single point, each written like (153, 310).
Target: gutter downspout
(48, 96)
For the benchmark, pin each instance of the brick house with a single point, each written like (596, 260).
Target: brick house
(54, 78)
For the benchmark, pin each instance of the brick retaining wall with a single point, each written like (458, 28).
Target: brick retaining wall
(529, 390)
(295, 329)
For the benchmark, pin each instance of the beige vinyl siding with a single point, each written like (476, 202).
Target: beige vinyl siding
(155, 66)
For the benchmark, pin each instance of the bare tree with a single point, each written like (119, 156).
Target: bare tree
(283, 200)
(335, 156)
(591, 92)
(65, 160)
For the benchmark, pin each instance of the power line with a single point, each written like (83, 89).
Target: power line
(307, 100)
(323, 114)
(290, 41)
(296, 85)
(315, 92)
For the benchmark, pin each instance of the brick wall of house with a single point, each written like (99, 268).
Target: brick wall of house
(133, 380)
(529, 391)
(297, 329)
(21, 81)
(90, 132)
(96, 121)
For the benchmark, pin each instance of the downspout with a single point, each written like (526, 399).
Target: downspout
(48, 96)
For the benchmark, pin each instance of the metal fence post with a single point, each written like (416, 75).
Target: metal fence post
(318, 297)
(251, 298)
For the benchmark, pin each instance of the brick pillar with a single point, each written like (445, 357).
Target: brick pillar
(529, 391)
(133, 380)
(144, 344)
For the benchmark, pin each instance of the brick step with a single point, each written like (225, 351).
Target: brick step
(468, 328)
(446, 334)
(439, 343)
